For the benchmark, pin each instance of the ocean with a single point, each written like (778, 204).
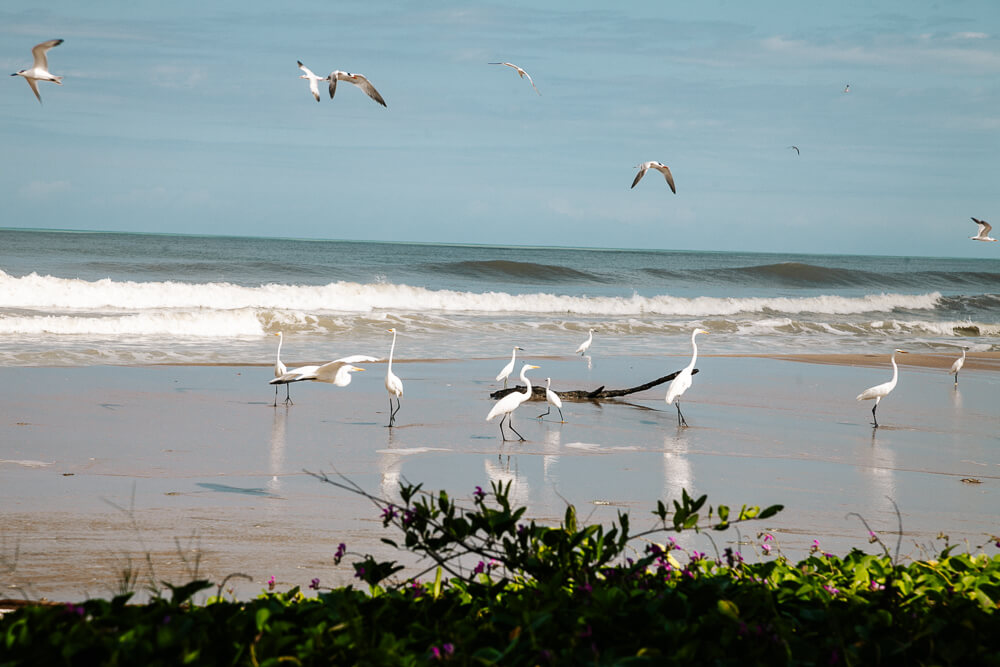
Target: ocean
(95, 298)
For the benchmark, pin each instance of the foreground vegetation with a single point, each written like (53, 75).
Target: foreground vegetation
(503, 590)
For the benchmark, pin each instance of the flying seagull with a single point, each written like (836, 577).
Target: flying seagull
(847, 88)
(522, 73)
(797, 152)
(662, 168)
(984, 231)
(40, 69)
(358, 80)
(312, 78)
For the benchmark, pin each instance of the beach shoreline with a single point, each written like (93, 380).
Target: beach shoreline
(101, 465)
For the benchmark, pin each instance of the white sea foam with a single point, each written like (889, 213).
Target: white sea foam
(62, 294)
(225, 324)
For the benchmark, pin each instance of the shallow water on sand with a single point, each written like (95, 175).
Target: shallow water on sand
(101, 464)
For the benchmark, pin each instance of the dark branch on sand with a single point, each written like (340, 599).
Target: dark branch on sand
(538, 393)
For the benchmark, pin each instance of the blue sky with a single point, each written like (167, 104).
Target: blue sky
(190, 118)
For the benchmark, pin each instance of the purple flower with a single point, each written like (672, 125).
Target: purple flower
(435, 652)
(359, 571)
(877, 586)
(389, 513)
(830, 589)
(479, 494)
(75, 609)
(585, 588)
(341, 550)
(696, 556)
(408, 517)
(815, 547)
(480, 568)
(449, 648)
(314, 584)
(871, 537)
(766, 548)
(768, 537)
(270, 583)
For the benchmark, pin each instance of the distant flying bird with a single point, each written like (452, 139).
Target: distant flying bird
(984, 231)
(393, 384)
(40, 69)
(797, 152)
(585, 345)
(662, 168)
(552, 398)
(522, 73)
(358, 80)
(957, 366)
(506, 405)
(880, 391)
(847, 88)
(312, 78)
(509, 368)
(683, 381)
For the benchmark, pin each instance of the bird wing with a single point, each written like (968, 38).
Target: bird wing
(956, 366)
(359, 359)
(364, 84)
(338, 371)
(306, 70)
(678, 386)
(665, 170)
(313, 88)
(39, 50)
(333, 83)
(295, 375)
(553, 398)
(797, 151)
(984, 227)
(34, 88)
(638, 177)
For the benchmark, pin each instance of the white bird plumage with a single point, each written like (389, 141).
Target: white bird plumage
(521, 73)
(957, 366)
(336, 372)
(658, 166)
(279, 370)
(509, 368)
(39, 70)
(393, 384)
(585, 345)
(358, 80)
(880, 391)
(506, 405)
(312, 78)
(552, 398)
(683, 381)
(984, 231)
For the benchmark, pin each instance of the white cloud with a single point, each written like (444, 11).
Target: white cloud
(887, 51)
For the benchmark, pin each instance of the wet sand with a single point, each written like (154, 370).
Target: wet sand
(192, 465)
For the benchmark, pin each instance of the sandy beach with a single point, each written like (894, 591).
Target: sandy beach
(100, 466)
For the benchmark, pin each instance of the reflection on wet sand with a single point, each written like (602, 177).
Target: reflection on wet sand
(677, 473)
(878, 465)
(276, 458)
(389, 465)
(506, 472)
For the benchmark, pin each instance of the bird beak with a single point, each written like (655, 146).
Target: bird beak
(534, 366)
(356, 369)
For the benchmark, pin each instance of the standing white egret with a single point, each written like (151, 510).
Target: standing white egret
(393, 384)
(552, 398)
(682, 382)
(660, 167)
(880, 391)
(957, 366)
(279, 370)
(506, 405)
(509, 368)
(40, 68)
(984, 231)
(585, 345)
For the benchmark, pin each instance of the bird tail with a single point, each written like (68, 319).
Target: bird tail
(57, 80)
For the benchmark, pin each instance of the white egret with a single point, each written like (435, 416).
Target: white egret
(984, 231)
(312, 78)
(393, 384)
(658, 166)
(880, 391)
(522, 74)
(336, 372)
(585, 345)
(279, 370)
(552, 398)
(506, 405)
(957, 366)
(509, 368)
(358, 80)
(682, 382)
(40, 69)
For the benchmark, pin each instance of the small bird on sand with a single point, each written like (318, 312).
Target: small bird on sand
(957, 366)
(358, 80)
(984, 231)
(522, 74)
(40, 69)
(880, 391)
(658, 166)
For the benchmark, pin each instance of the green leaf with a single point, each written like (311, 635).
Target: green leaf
(261, 618)
(728, 609)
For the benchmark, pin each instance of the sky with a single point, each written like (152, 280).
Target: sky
(190, 118)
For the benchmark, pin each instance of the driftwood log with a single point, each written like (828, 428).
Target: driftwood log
(538, 393)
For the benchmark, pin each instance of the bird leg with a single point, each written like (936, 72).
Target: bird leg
(288, 395)
(680, 418)
(275, 395)
(392, 415)
(510, 423)
(548, 409)
(503, 436)
(397, 408)
(956, 378)
(874, 420)
(561, 419)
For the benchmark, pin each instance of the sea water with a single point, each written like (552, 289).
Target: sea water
(78, 298)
